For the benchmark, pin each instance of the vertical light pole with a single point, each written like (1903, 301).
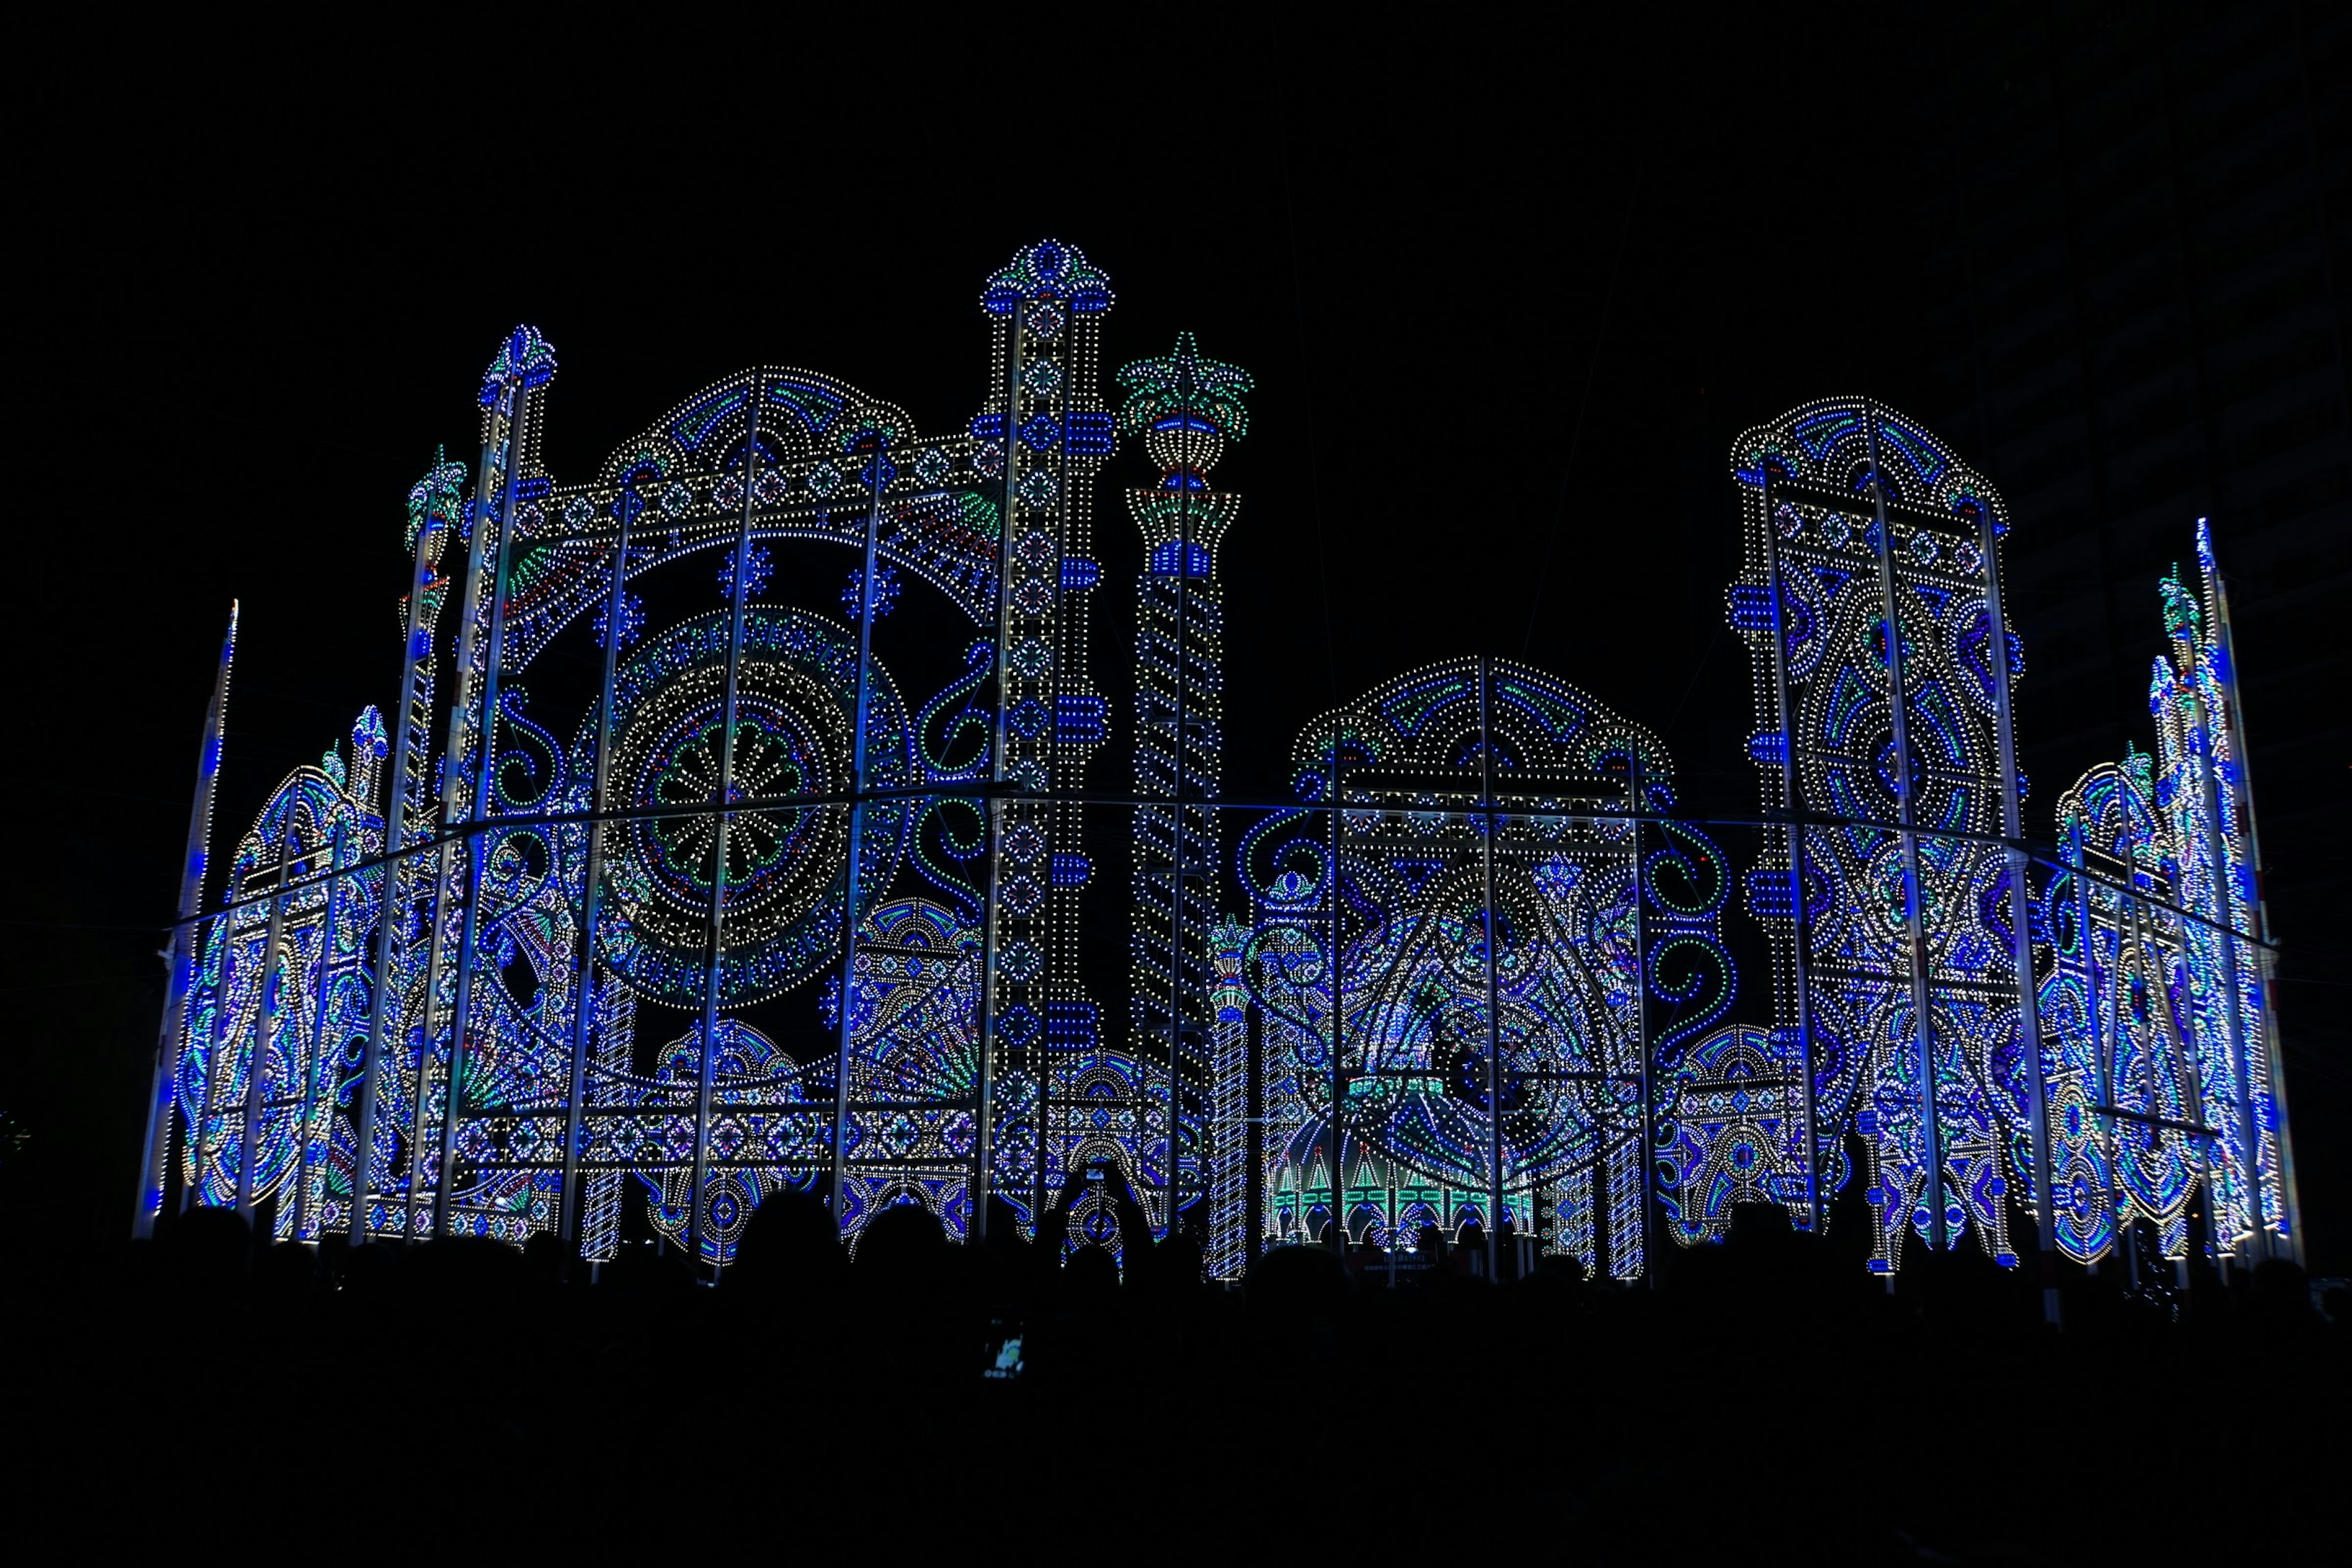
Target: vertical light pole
(1639, 783)
(850, 882)
(416, 670)
(592, 898)
(1494, 970)
(1800, 937)
(322, 1011)
(1931, 1189)
(476, 847)
(2021, 909)
(501, 451)
(707, 1072)
(1339, 1026)
(256, 1061)
(2093, 1011)
(2241, 789)
(181, 955)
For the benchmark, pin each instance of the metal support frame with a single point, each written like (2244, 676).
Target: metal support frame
(479, 807)
(2093, 1011)
(2029, 1012)
(574, 1197)
(506, 411)
(1494, 967)
(1931, 1191)
(389, 910)
(1800, 936)
(2241, 789)
(265, 1025)
(1174, 1195)
(707, 1067)
(316, 1058)
(1338, 1020)
(857, 832)
(1637, 786)
(2218, 868)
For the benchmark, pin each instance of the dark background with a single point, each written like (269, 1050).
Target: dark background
(1509, 295)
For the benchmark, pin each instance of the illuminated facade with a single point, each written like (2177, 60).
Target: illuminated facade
(2166, 1081)
(737, 829)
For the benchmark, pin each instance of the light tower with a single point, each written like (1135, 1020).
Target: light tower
(1186, 408)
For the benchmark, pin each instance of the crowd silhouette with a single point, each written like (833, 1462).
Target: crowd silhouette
(1766, 1390)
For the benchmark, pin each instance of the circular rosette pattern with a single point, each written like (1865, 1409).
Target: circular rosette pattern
(779, 865)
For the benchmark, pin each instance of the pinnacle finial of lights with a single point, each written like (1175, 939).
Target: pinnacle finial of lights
(525, 361)
(1186, 407)
(439, 498)
(1048, 273)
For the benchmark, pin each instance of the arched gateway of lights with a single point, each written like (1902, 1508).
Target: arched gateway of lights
(696, 883)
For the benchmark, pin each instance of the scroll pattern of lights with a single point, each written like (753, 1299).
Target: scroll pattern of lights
(317, 818)
(1415, 981)
(782, 911)
(914, 1056)
(1836, 651)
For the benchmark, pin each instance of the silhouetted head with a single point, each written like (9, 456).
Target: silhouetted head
(1090, 1277)
(901, 1247)
(788, 1244)
(1295, 1282)
(1003, 1223)
(208, 1249)
(1179, 1264)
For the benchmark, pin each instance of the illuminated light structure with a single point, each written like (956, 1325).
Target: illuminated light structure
(698, 866)
(1047, 1082)
(1186, 408)
(280, 999)
(1902, 957)
(2165, 1074)
(1496, 885)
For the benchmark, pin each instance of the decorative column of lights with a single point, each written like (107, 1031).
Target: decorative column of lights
(436, 511)
(180, 956)
(743, 576)
(1792, 991)
(1186, 407)
(1335, 1015)
(872, 444)
(1491, 960)
(1044, 432)
(2200, 759)
(531, 362)
(611, 633)
(2268, 1085)
(1882, 628)
(1647, 953)
(2237, 1208)
(524, 362)
(1228, 1250)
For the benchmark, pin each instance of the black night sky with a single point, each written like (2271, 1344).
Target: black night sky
(1508, 296)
